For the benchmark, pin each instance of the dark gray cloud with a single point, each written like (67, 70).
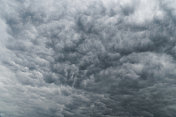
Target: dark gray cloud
(96, 58)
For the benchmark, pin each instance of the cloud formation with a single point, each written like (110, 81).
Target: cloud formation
(96, 58)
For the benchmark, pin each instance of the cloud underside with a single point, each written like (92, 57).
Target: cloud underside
(95, 58)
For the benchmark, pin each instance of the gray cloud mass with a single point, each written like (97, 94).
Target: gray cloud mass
(87, 58)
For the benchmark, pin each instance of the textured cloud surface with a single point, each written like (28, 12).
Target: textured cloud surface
(87, 58)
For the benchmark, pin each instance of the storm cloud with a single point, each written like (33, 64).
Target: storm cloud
(87, 58)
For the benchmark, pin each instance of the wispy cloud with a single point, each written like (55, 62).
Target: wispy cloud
(96, 58)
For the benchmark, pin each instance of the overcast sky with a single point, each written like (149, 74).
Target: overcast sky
(87, 58)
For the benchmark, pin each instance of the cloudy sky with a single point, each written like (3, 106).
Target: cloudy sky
(87, 58)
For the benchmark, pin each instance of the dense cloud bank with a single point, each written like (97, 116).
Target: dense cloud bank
(87, 58)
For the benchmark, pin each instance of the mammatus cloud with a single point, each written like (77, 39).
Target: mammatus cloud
(96, 58)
